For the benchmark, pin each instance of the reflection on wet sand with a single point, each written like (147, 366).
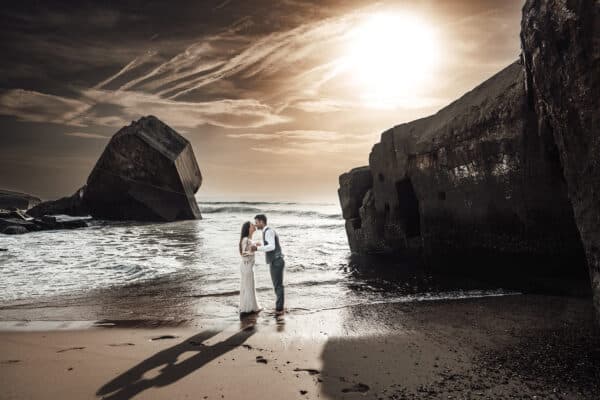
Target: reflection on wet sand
(405, 275)
(160, 299)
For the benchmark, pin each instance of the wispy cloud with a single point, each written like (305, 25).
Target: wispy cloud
(39, 107)
(314, 147)
(264, 56)
(323, 105)
(304, 142)
(280, 150)
(161, 90)
(136, 62)
(252, 136)
(86, 135)
(311, 135)
(29, 105)
(226, 113)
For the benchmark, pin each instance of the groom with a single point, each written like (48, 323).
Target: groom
(274, 258)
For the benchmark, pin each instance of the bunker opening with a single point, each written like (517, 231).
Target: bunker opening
(408, 212)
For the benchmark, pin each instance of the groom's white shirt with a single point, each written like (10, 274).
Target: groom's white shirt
(269, 238)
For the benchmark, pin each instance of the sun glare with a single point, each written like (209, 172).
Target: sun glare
(390, 56)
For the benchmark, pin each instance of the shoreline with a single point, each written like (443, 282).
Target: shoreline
(46, 310)
(493, 347)
(178, 297)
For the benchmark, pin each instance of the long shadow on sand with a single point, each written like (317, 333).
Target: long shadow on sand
(131, 382)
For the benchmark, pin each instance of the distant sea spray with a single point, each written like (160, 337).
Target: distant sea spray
(285, 208)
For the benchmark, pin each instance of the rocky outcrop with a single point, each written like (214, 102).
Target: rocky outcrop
(69, 205)
(16, 200)
(357, 208)
(511, 169)
(17, 222)
(465, 183)
(561, 49)
(14, 230)
(147, 172)
(353, 187)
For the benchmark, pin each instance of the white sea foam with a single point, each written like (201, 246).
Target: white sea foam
(201, 255)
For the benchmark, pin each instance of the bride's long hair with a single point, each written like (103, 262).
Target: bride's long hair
(245, 233)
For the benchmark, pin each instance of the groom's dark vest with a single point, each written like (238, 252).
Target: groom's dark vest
(273, 254)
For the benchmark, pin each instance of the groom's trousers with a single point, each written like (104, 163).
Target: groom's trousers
(276, 269)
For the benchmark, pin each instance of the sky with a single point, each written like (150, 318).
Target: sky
(277, 98)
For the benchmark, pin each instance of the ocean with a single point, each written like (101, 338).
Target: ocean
(199, 260)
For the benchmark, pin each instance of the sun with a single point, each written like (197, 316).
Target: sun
(389, 56)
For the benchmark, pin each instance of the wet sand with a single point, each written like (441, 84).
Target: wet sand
(498, 347)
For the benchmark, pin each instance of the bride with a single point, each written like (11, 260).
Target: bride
(248, 302)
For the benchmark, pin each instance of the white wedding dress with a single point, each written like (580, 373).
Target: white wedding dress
(248, 302)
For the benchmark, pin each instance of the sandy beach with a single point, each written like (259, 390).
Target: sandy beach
(521, 346)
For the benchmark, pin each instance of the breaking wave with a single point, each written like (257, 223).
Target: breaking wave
(255, 210)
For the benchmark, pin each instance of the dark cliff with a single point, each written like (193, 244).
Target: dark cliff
(561, 49)
(507, 172)
(465, 181)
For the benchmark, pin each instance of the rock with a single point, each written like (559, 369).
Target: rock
(18, 222)
(353, 187)
(364, 230)
(12, 219)
(466, 184)
(17, 200)
(146, 172)
(357, 204)
(358, 388)
(14, 230)
(561, 50)
(48, 222)
(69, 205)
(48, 219)
(18, 215)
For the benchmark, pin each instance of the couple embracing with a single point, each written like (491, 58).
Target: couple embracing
(274, 257)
